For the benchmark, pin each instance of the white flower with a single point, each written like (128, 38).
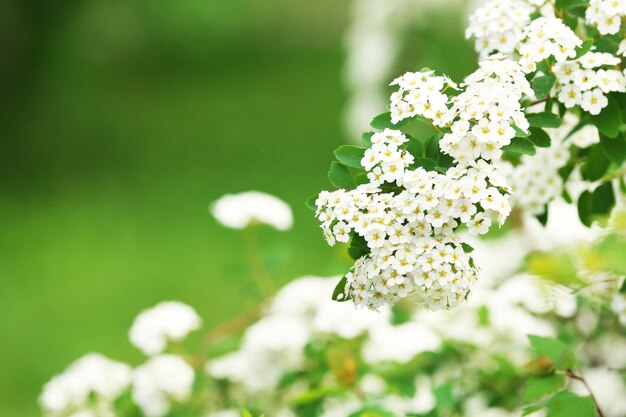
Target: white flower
(594, 101)
(238, 211)
(167, 321)
(160, 382)
(606, 15)
(93, 375)
(399, 343)
(618, 305)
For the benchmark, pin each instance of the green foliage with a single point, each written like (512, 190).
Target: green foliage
(542, 85)
(340, 294)
(520, 145)
(383, 121)
(559, 353)
(609, 120)
(539, 387)
(545, 119)
(567, 404)
(539, 137)
(372, 412)
(584, 48)
(596, 164)
(350, 155)
(340, 176)
(614, 148)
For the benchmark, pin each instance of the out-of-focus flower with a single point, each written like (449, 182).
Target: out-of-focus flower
(400, 343)
(618, 305)
(238, 211)
(161, 381)
(167, 321)
(91, 381)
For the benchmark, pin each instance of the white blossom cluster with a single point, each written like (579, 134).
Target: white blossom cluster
(409, 230)
(168, 321)
(546, 37)
(159, 382)
(586, 81)
(486, 112)
(88, 385)
(606, 15)
(239, 211)
(498, 25)
(535, 181)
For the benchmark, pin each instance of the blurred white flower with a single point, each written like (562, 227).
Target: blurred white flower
(92, 376)
(167, 321)
(238, 211)
(161, 381)
(231, 412)
(308, 299)
(399, 343)
(618, 305)
(608, 388)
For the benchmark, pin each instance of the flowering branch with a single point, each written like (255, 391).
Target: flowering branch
(579, 377)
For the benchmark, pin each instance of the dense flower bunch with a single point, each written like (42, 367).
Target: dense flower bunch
(586, 81)
(546, 37)
(535, 181)
(498, 25)
(90, 383)
(95, 386)
(406, 216)
(606, 15)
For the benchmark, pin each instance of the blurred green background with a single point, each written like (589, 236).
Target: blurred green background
(120, 123)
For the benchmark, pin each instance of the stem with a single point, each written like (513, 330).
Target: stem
(234, 325)
(556, 11)
(259, 274)
(580, 378)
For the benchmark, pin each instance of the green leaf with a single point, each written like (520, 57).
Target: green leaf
(415, 147)
(614, 149)
(340, 176)
(426, 163)
(340, 294)
(246, 413)
(567, 404)
(539, 137)
(543, 217)
(545, 119)
(584, 208)
(609, 119)
(519, 133)
(542, 85)
(358, 247)
(310, 203)
(553, 267)
(367, 138)
(520, 145)
(383, 121)
(557, 351)
(539, 387)
(584, 48)
(467, 248)
(350, 155)
(603, 199)
(595, 165)
(606, 44)
(372, 412)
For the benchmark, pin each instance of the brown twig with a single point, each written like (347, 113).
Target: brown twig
(235, 325)
(580, 378)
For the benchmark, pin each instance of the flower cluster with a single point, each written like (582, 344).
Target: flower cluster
(535, 181)
(606, 15)
(546, 37)
(165, 322)
(239, 211)
(586, 81)
(410, 233)
(92, 384)
(421, 94)
(159, 382)
(498, 24)
(483, 116)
